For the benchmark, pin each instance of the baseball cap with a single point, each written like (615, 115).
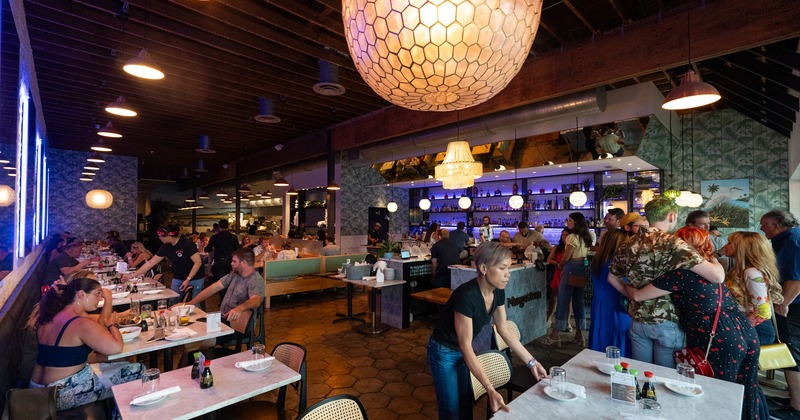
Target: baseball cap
(630, 218)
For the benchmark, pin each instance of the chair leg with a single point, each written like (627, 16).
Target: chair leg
(488, 408)
(281, 399)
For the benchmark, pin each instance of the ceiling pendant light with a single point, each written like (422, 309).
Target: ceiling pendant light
(695, 200)
(328, 80)
(87, 173)
(86, 179)
(96, 158)
(266, 112)
(439, 56)
(109, 131)
(143, 66)
(7, 196)
(281, 182)
(333, 186)
(205, 145)
(291, 191)
(458, 169)
(577, 198)
(258, 194)
(222, 193)
(100, 146)
(392, 206)
(190, 199)
(268, 193)
(203, 196)
(3, 159)
(92, 167)
(464, 202)
(515, 201)
(244, 197)
(692, 92)
(244, 189)
(120, 107)
(99, 199)
(424, 204)
(201, 167)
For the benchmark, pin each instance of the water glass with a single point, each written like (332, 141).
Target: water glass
(162, 304)
(558, 380)
(150, 380)
(612, 355)
(136, 307)
(146, 310)
(172, 321)
(259, 352)
(649, 408)
(685, 373)
(183, 315)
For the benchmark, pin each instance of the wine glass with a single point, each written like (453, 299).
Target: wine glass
(150, 380)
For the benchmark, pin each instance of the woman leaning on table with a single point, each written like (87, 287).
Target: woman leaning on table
(66, 337)
(471, 306)
(734, 351)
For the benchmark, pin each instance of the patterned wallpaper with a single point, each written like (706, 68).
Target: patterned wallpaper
(7, 213)
(359, 193)
(727, 145)
(68, 209)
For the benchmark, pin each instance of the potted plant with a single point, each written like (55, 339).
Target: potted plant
(389, 247)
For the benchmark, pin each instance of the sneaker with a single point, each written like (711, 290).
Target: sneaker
(787, 413)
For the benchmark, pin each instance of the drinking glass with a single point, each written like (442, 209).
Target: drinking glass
(172, 321)
(259, 352)
(685, 374)
(162, 304)
(136, 307)
(150, 380)
(612, 355)
(146, 310)
(649, 408)
(558, 380)
(183, 315)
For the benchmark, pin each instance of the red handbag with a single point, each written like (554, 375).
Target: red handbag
(694, 356)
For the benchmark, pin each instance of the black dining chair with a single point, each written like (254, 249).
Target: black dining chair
(340, 407)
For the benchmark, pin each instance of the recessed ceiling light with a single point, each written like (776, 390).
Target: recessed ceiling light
(630, 164)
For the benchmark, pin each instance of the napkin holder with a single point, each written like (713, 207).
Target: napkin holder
(357, 272)
(213, 321)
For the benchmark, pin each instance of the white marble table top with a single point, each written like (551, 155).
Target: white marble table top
(721, 399)
(375, 284)
(231, 385)
(163, 293)
(139, 345)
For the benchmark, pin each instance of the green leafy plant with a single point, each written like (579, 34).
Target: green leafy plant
(389, 245)
(613, 191)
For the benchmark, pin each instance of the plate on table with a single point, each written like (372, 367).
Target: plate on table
(120, 295)
(565, 396)
(606, 368)
(177, 336)
(151, 292)
(689, 392)
(259, 367)
(148, 402)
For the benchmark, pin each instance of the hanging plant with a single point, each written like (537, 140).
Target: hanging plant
(613, 191)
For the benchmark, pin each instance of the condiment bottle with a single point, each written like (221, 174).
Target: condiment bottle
(624, 367)
(649, 390)
(143, 324)
(196, 366)
(207, 380)
(635, 372)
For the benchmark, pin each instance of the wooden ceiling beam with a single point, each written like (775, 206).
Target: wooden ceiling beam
(758, 103)
(779, 55)
(756, 117)
(657, 45)
(306, 13)
(753, 83)
(580, 16)
(748, 62)
(616, 8)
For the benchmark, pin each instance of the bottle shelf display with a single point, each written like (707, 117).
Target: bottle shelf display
(643, 185)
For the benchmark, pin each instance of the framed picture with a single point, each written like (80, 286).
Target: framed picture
(727, 202)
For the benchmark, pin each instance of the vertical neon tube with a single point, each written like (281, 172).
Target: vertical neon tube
(22, 170)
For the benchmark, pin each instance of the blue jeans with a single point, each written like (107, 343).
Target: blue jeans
(654, 343)
(176, 286)
(453, 394)
(766, 332)
(567, 293)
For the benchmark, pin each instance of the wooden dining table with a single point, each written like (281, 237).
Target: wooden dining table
(231, 385)
(141, 345)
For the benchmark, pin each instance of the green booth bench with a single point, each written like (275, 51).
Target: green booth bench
(305, 274)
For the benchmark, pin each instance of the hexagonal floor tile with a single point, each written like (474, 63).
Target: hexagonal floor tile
(405, 405)
(364, 372)
(374, 400)
(398, 389)
(367, 385)
(340, 381)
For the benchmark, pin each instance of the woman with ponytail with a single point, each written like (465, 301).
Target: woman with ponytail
(66, 338)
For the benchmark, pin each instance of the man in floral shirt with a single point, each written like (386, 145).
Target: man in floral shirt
(655, 333)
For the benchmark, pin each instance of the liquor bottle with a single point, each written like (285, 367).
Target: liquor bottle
(196, 366)
(207, 380)
(648, 389)
(514, 188)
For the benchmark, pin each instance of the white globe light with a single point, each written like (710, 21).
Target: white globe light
(7, 196)
(99, 199)
(424, 204)
(515, 202)
(683, 199)
(464, 202)
(392, 207)
(439, 55)
(577, 198)
(695, 201)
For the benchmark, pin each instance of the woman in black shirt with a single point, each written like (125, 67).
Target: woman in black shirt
(471, 306)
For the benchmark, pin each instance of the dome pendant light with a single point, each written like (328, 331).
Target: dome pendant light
(120, 107)
(577, 198)
(109, 131)
(515, 201)
(101, 146)
(143, 66)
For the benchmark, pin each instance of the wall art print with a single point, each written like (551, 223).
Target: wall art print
(727, 201)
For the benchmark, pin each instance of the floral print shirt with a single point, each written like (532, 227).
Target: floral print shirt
(645, 257)
(753, 298)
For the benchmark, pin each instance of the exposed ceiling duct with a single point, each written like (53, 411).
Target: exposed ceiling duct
(477, 130)
(266, 112)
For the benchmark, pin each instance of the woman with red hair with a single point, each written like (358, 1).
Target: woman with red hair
(734, 352)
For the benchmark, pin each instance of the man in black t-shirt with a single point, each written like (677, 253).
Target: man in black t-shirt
(117, 246)
(444, 253)
(64, 263)
(222, 245)
(186, 262)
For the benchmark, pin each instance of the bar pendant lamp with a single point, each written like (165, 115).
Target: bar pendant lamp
(439, 55)
(333, 186)
(203, 196)
(281, 182)
(109, 131)
(291, 191)
(99, 199)
(92, 167)
(96, 158)
(120, 107)
(464, 202)
(7, 196)
(143, 66)
(101, 146)
(222, 193)
(3, 159)
(85, 179)
(458, 169)
(577, 198)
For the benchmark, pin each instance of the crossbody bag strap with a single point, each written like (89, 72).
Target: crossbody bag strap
(775, 324)
(716, 319)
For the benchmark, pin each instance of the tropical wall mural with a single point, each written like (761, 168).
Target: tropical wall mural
(727, 202)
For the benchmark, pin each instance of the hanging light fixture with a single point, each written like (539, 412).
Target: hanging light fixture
(96, 158)
(268, 193)
(205, 145)
(190, 199)
(86, 173)
(143, 66)
(291, 191)
(464, 202)
(100, 146)
(201, 167)
(439, 56)
(203, 196)
(333, 186)
(120, 107)
(7, 196)
(515, 201)
(695, 200)
(424, 203)
(244, 197)
(3, 159)
(109, 131)
(99, 199)
(328, 80)
(221, 193)
(244, 189)
(91, 166)
(577, 198)
(692, 92)
(266, 112)
(671, 192)
(281, 182)
(86, 179)
(392, 206)
(458, 169)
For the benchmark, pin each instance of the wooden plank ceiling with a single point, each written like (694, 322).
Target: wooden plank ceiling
(220, 56)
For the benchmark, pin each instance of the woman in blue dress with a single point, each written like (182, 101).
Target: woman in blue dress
(609, 322)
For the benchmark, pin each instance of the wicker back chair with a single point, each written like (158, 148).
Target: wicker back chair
(498, 369)
(340, 407)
